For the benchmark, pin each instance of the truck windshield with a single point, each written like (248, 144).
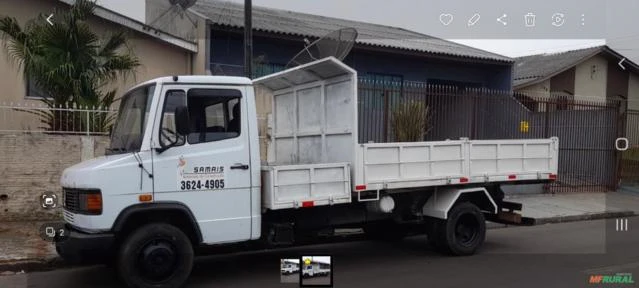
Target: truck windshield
(132, 117)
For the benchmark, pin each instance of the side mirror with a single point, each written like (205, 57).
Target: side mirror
(182, 120)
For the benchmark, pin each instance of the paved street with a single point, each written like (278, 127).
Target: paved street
(551, 255)
(317, 280)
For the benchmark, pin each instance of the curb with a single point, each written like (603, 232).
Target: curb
(584, 217)
(33, 265)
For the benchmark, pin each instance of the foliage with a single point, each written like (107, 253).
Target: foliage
(411, 121)
(69, 62)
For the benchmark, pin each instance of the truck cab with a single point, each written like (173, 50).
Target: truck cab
(184, 149)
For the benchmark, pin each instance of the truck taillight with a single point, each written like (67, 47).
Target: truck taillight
(552, 176)
(360, 187)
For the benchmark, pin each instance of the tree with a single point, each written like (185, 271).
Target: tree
(70, 63)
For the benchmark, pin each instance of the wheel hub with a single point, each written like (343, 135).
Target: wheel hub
(466, 230)
(158, 260)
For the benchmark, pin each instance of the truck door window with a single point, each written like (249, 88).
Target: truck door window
(214, 114)
(168, 134)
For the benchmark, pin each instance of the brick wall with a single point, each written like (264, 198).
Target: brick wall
(31, 164)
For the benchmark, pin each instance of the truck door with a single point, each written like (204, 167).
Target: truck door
(208, 170)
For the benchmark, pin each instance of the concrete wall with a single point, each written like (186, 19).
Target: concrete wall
(31, 164)
(157, 57)
(590, 79)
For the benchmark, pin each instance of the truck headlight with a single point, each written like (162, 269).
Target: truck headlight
(83, 201)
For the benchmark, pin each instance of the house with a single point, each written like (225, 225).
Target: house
(591, 74)
(159, 53)
(381, 52)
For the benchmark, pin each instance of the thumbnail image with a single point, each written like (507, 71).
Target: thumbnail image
(316, 271)
(289, 270)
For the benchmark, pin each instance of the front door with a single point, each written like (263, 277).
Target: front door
(208, 170)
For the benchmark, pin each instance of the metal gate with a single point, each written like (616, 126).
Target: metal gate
(587, 130)
(630, 157)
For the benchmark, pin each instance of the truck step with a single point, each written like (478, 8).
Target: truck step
(510, 218)
(511, 206)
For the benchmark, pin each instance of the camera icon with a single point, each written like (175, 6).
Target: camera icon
(48, 200)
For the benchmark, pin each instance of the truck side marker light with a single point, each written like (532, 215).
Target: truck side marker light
(308, 204)
(512, 177)
(145, 197)
(360, 187)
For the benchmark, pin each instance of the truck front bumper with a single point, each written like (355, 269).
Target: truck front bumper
(82, 248)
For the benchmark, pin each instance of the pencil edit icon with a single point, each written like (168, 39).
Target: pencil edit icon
(474, 19)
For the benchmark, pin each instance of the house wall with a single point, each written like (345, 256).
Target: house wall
(590, 79)
(157, 58)
(633, 92)
(539, 90)
(564, 82)
(227, 55)
(617, 83)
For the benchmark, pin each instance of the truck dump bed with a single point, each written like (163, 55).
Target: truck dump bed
(308, 145)
(420, 164)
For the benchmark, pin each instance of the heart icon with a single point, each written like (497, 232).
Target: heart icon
(445, 18)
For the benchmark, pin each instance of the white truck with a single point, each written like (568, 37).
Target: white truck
(208, 160)
(314, 270)
(289, 268)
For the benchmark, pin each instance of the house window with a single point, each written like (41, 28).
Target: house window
(32, 91)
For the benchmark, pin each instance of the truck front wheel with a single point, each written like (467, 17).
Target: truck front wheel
(462, 233)
(155, 255)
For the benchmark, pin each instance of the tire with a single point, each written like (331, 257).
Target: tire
(385, 231)
(462, 233)
(164, 244)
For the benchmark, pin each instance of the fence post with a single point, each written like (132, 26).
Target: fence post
(88, 122)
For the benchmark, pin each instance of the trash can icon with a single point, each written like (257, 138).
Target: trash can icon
(529, 20)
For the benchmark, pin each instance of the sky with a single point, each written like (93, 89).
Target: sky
(587, 22)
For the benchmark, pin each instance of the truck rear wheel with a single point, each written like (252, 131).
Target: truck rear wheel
(155, 255)
(462, 233)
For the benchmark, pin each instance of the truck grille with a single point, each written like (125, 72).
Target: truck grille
(71, 199)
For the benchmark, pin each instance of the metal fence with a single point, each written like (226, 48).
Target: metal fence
(40, 118)
(587, 129)
(630, 158)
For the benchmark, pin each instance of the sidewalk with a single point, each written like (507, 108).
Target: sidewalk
(22, 249)
(554, 208)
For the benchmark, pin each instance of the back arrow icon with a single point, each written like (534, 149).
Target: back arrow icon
(624, 68)
(49, 19)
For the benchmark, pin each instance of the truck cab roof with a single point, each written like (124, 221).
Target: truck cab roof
(199, 79)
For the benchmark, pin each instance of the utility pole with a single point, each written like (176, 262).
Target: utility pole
(248, 39)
